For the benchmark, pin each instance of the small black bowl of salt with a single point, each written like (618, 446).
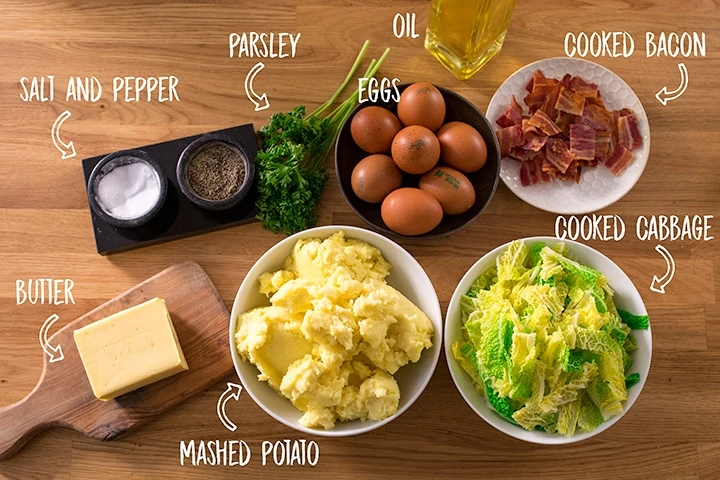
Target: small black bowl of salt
(215, 173)
(127, 188)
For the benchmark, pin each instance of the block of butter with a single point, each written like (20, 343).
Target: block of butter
(130, 349)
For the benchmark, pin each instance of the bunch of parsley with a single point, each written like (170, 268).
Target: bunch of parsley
(291, 162)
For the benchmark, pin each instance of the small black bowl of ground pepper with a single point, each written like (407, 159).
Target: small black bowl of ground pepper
(215, 173)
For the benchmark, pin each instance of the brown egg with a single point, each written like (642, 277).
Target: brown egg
(373, 129)
(410, 211)
(415, 149)
(374, 177)
(422, 104)
(462, 147)
(449, 187)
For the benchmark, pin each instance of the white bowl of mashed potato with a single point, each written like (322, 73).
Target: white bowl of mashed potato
(335, 331)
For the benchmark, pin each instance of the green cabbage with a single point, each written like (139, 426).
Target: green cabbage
(500, 404)
(630, 344)
(574, 359)
(535, 249)
(466, 356)
(544, 341)
(632, 380)
(537, 413)
(636, 322)
(590, 416)
(523, 360)
(601, 395)
(494, 346)
(483, 282)
(569, 415)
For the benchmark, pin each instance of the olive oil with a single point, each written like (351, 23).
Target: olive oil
(465, 34)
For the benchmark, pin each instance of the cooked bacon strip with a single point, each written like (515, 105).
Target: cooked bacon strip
(588, 163)
(528, 174)
(632, 123)
(531, 172)
(541, 120)
(623, 133)
(534, 138)
(570, 102)
(578, 174)
(529, 128)
(510, 137)
(567, 80)
(602, 145)
(534, 142)
(564, 120)
(597, 118)
(572, 174)
(512, 115)
(549, 168)
(548, 105)
(539, 80)
(619, 160)
(557, 151)
(583, 87)
(582, 141)
(537, 75)
(536, 99)
(522, 155)
(545, 84)
(541, 89)
(596, 101)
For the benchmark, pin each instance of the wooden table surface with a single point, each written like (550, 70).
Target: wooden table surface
(673, 431)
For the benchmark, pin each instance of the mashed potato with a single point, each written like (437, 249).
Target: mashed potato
(335, 332)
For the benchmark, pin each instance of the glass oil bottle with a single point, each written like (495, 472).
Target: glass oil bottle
(465, 34)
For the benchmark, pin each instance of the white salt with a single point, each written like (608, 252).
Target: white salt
(129, 191)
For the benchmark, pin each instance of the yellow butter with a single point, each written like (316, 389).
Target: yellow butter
(130, 349)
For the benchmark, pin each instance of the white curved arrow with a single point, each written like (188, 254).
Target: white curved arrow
(67, 149)
(658, 284)
(233, 391)
(260, 101)
(664, 96)
(55, 353)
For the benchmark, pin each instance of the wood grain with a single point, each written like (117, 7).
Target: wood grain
(63, 396)
(673, 431)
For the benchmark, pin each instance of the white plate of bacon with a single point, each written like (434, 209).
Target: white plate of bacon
(573, 135)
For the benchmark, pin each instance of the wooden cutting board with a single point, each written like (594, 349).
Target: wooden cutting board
(63, 396)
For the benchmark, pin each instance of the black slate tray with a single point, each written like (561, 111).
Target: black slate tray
(178, 217)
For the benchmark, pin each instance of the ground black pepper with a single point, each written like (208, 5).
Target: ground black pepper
(216, 171)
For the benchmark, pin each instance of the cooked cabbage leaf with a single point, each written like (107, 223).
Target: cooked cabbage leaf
(590, 416)
(632, 380)
(465, 354)
(523, 356)
(636, 322)
(569, 415)
(483, 282)
(511, 263)
(535, 249)
(574, 359)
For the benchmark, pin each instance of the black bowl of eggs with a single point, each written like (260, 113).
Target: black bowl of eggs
(423, 166)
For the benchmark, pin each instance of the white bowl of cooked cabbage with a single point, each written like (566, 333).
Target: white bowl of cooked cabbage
(548, 340)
